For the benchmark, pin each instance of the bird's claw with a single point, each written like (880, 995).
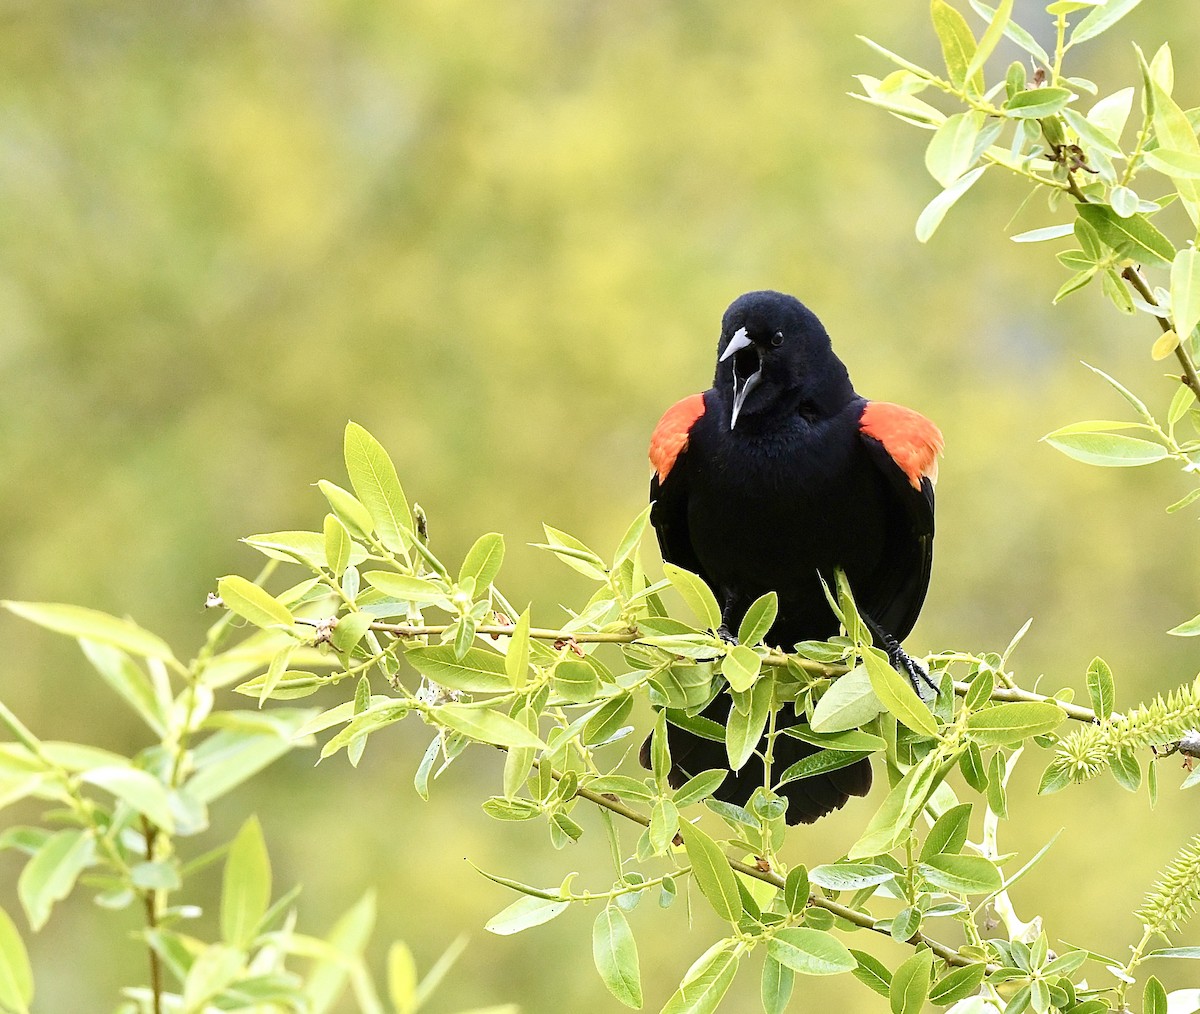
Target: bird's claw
(724, 633)
(926, 689)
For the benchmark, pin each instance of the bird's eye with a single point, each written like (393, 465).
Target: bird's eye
(776, 339)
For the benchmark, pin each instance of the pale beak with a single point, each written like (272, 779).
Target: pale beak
(742, 386)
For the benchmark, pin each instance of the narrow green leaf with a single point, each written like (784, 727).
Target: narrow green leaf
(849, 703)
(810, 952)
(758, 619)
(139, 789)
(962, 874)
(699, 788)
(910, 984)
(957, 984)
(1037, 103)
(891, 822)
(958, 45)
(252, 603)
(516, 657)
(1154, 997)
(1185, 293)
(484, 725)
(402, 978)
(405, 587)
(1190, 953)
(1009, 724)
(1126, 770)
(246, 886)
(347, 938)
(632, 537)
(796, 890)
(1100, 19)
(1133, 237)
(93, 625)
(1111, 450)
(931, 217)
(949, 832)
(819, 763)
(696, 594)
(712, 872)
(1100, 687)
(1189, 629)
(478, 671)
(776, 986)
(849, 876)
(525, 913)
(50, 875)
(897, 695)
(483, 561)
(347, 508)
(377, 486)
(991, 38)
(872, 973)
(741, 666)
(951, 150)
(337, 545)
(615, 954)
(608, 719)
(1180, 165)
(573, 553)
(745, 729)
(706, 983)
(1042, 235)
(16, 976)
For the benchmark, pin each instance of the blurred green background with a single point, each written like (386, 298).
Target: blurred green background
(501, 236)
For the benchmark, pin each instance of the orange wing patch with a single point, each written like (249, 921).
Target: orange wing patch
(913, 442)
(671, 434)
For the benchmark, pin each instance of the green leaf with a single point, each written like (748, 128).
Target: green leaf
(139, 789)
(1015, 32)
(615, 954)
(741, 667)
(1100, 687)
(1037, 103)
(776, 986)
(252, 603)
(991, 38)
(712, 872)
(1112, 450)
(931, 217)
(337, 545)
(698, 596)
(486, 726)
(745, 729)
(1042, 235)
(228, 758)
(525, 913)
(706, 982)
(130, 682)
(405, 587)
(347, 508)
(1181, 165)
(1190, 953)
(573, 553)
(949, 832)
(1189, 629)
(16, 977)
(951, 150)
(758, 619)
(819, 763)
(872, 973)
(957, 984)
(1133, 237)
(632, 537)
(478, 671)
(1185, 293)
(891, 822)
(1100, 19)
(51, 874)
(93, 625)
(847, 704)
(1154, 997)
(849, 876)
(962, 874)
(516, 656)
(608, 719)
(910, 984)
(246, 886)
(483, 561)
(575, 680)
(810, 952)
(958, 46)
(1009, 724)
(696, 789)
(896, 694)
(1126, 770)
(347, 939)
(377, 486)
(796, 890)
(402, 978)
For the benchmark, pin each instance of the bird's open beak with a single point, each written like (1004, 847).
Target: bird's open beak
(742, 386)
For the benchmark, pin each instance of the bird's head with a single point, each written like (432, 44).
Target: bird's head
(775, 356)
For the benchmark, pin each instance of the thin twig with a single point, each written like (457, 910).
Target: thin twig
(151, 904)
(1134, 277)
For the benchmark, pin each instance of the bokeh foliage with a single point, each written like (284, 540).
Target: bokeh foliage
(501, 236)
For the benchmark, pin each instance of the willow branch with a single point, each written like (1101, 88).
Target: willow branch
(1134, 277)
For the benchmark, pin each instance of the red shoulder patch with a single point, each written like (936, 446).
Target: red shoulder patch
(672, 432)
(913, 442)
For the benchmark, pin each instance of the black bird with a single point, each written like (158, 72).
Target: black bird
(769, 481)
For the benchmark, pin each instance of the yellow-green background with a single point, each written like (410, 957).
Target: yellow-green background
(501, 235)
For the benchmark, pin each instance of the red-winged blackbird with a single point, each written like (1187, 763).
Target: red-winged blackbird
(769, 481)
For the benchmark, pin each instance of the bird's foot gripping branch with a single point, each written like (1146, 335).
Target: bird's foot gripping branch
(376, 613)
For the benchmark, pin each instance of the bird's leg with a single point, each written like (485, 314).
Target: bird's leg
(926, 689)
(728, 623)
